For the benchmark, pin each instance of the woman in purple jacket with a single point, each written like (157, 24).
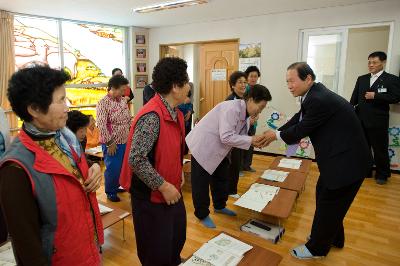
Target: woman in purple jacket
(210, 141)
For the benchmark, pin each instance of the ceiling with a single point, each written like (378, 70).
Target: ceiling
(119, 12)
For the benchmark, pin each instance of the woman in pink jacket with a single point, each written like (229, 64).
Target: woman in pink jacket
(221, 129)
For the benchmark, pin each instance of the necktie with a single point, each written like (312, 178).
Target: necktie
(291, 149)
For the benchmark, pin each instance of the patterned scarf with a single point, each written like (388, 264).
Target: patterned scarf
(64, 138)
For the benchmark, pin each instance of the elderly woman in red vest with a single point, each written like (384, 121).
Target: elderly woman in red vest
(152, 169)
(47, 190)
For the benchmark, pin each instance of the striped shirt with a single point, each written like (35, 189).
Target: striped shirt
(113, 120)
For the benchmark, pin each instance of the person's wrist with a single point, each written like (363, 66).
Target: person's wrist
(110, 144)
(163, 187)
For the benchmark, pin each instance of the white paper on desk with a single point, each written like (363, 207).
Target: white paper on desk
(230, 244)
(274, 175)
(217, 256)
(196, 261)
(104, 209)
(186, 161)
(289, 163)
(257, 197)
(94, 150)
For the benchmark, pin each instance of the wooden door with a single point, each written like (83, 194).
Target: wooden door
(222, 56)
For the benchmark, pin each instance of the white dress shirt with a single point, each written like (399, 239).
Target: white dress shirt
(374, 77)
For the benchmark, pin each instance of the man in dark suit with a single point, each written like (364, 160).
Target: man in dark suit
(341, 152)
(148, 93)
(371, 98)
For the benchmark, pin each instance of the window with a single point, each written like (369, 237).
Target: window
(89, 53)
(322, 50)
(36, 40)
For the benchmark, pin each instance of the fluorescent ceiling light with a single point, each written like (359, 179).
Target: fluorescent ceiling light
(169, 5)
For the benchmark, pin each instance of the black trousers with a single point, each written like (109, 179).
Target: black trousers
(378, 140)
(202, 180)
(331, 208)
(248, 154)
(160, 231)
(234, 169)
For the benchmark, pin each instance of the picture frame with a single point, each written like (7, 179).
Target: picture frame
(141, 67)
(140, 39)
(141, 53)
(141, 81)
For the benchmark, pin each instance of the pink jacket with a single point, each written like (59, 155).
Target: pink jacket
(221, 129)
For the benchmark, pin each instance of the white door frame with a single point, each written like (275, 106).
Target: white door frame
(303, 44)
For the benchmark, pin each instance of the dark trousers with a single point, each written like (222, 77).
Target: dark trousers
(234, 169)
(202, 180)
(248, 154)
(331, 208)
(378, 140)
(3, 228)
(188, 128)
(160, 231)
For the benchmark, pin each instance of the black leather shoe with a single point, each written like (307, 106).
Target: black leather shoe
(380, 181)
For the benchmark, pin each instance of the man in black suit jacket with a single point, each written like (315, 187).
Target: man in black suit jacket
(371, 98)
(341, 152)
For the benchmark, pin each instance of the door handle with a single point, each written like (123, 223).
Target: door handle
(201, 99)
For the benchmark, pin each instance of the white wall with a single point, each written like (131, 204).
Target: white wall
(279, 37)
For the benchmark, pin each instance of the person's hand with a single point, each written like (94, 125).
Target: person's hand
(187, 116)
(112, 149)
(93, 182)
(126, 98)
(170, 193)
(257, 140)
(270, 136)
(370, 95)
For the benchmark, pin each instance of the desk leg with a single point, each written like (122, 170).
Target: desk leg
(123, 229)
(279, 230)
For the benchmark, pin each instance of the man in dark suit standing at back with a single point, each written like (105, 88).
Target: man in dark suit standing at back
(371, 98)
(341, 152)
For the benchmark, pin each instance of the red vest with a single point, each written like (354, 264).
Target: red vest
(67, 226)
(168, 150)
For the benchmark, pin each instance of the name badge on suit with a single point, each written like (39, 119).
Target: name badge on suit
(382, 90)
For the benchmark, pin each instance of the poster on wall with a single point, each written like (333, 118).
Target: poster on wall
(272, 119)
(249, 55)
(394, 147)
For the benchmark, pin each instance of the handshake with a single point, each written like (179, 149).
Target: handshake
(261, 141)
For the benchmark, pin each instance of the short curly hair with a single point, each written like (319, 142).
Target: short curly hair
(168, 72)
(77, 120)
(234, 77)
(34, 86)
(117, 81)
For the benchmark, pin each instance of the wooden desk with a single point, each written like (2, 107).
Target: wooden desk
(257, 255)
(282, 204)
(304, 168)
(114, 217)
(294, 181)
(97, 155)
